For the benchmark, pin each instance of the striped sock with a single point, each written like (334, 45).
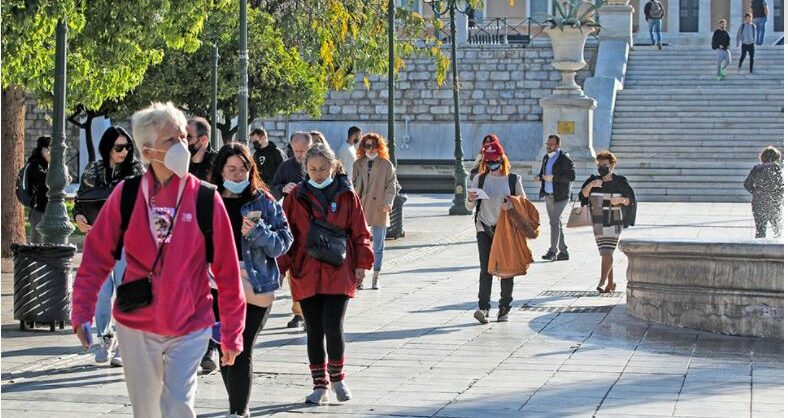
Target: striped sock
(319, 378)
(335, 372)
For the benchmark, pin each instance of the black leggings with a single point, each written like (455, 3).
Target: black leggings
(324, 316)
(238, 377)
(745, 49)
(484, 243)
(215, 293)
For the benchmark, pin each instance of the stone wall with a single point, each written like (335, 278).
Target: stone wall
(38, 122)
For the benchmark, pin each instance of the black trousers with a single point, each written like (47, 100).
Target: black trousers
(764, 214)
(238, 377)
(324, 318)
(747, 49)
(215, 293)
(484, 242)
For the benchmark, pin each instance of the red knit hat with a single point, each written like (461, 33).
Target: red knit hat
(493, 151)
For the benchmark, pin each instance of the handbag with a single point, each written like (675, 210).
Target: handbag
(579, 216)
(91, 201)
(139, 293)
(325, 242)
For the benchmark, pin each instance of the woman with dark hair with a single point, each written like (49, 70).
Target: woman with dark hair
(99, 178)
(261, 235)
(37, 172)
(613, 208)
(765, 184)
(323, 281)
(375, 181)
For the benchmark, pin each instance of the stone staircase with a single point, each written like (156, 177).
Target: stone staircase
(682, 135)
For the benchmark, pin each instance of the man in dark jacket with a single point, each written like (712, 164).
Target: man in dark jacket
(267, 155)
(198, 133)
(292, 171)
(720, 43)
(557, 174)
(654, 13)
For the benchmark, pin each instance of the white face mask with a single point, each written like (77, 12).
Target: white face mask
(177, 159)
(372, 155)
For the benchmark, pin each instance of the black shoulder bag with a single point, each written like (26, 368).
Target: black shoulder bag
(139, 293)
(325, 242)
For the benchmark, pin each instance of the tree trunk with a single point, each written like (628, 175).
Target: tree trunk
(88, 127)
(13, 145)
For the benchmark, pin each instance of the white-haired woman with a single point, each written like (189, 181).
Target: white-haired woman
(163, 307)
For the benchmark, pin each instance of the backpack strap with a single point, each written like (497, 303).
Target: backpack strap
(205, 216)
(482, 176)
(128, 198)
(512, 184)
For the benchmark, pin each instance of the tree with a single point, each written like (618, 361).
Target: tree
(297, 52)
(110, 48)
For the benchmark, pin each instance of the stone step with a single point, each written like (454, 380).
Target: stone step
(710, 128)
(688, 148)
(633, 103)
(672, 141)
(728, 112)
(692, 120)
(700, 94)
(693, 179)
(672, 164)
(684, 154)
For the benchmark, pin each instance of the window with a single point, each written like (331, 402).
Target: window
(539, 9)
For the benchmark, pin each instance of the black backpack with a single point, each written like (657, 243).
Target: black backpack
(128, 198)
(512, 190)
(23, 191)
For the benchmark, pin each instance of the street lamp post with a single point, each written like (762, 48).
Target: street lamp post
(243, 91)
(442, 8)
(396, 229)
(55, 227)
(214, 93)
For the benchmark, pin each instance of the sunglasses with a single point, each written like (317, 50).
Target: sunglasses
(120, 148)
(369, 145)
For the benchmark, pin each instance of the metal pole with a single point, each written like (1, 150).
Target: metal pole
(55, 227)
(214, 93)
(243, 91)
(392, 144)
(460, 176)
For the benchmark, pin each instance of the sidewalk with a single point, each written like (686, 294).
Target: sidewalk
(414, 349)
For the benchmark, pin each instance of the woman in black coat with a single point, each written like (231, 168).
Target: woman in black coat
(613, 208)
(765, 184)
(37, 172)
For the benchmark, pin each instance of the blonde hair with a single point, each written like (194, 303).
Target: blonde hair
(146, 123)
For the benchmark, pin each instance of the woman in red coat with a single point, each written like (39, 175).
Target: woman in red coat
(323, 289)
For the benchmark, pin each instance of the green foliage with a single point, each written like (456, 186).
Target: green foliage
(575, 13)
(110, 46)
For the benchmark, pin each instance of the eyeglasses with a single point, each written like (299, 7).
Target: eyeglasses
(120, 148)
(369, 145)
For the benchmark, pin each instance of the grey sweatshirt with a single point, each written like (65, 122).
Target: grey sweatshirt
(497, 187)
(746, 34)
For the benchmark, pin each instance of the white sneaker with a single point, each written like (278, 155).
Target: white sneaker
(107, 349)
(342, 391)
(318, 397)
(116, 361)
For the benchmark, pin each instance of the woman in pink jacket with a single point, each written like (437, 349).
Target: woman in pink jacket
(163, 306)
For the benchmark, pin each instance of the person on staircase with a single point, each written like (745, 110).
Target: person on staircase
(556, 175)
(745, 37)
(654, 13)
(498, 182)
(720, 43)
(613, 208)
(760, 13)
(375, 182)
(765, 184)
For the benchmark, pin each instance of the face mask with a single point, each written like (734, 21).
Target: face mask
(493, 166)
(257, 146)
(603, 170)
(177, 158)
(356, 141)
(327, 182)
(372, 155)
(236, 187)
(193, 148)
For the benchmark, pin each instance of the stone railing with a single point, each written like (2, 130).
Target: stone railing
(733, 287)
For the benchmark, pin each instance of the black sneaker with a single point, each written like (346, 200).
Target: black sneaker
(562, 256)
(208, 364)
(296, 322)
(503, 313)
(481, 315)
(550, 256)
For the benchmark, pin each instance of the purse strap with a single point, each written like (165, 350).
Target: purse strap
(164, 240)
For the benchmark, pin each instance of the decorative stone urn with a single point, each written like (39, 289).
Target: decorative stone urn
(568, 46)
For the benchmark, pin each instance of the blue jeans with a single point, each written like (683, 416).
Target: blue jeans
(378, 243)
(760, 29)
(655, 25)
(104, 302)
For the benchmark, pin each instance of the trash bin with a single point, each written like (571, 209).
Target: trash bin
(396, 229)
(42, 284)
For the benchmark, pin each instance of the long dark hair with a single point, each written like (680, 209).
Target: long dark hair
(256, 184)
(105, 149)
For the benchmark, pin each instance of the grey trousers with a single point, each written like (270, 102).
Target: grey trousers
(554, 211)
(161, 372)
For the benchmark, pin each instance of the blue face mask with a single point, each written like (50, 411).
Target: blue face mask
(327, 182)
(236, 187)
(493, 166)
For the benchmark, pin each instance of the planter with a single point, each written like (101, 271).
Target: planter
(568, 46)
